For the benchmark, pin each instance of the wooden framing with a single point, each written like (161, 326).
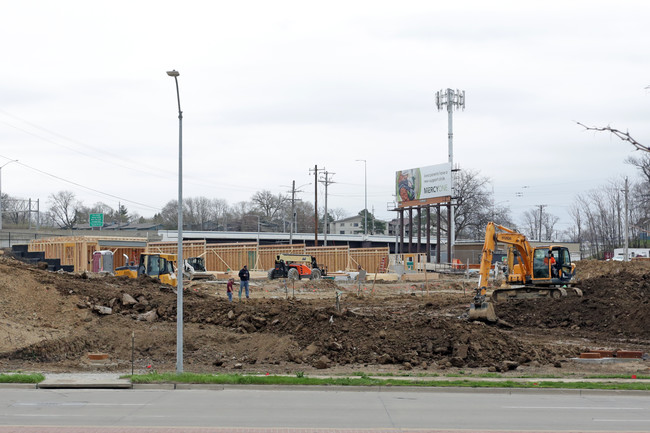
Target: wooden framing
(230, 257)
(78, 251)
(411, 261)
(332, 258)
(190, 248)
(267, 253)
(368, 258)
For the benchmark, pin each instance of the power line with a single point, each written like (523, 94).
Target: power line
(115, 157)
(83, 186)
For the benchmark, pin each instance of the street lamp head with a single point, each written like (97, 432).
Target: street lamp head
(173, 73)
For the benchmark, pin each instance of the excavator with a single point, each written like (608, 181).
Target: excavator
(531, 272)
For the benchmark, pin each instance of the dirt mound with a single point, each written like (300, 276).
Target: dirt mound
(586, 269)
(50, 320)
(615, 302)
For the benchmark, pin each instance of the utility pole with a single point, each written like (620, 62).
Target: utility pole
(626, 258)
(452, 99)
(541, 209)
(326, 181)
(293, 210)
(316, 203)
(293, 224)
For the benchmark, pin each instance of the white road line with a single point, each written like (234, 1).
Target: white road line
(40, 415)
(622, 420)
(574, 408)
(41, 404)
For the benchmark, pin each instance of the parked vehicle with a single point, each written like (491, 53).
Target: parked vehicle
(295, 267)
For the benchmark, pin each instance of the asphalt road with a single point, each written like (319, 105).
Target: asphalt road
(282, 410)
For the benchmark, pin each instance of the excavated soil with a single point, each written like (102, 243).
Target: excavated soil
(52, 321)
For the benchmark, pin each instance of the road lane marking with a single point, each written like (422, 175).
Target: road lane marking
(622, 420)
(74, 404)
(574, 407)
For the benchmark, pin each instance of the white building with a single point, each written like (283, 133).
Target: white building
(619, 253)
(347, 226)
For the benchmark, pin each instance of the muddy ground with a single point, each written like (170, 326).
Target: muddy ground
(52, 321)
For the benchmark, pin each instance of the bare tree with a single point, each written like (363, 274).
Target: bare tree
(576, 215)
(642, 163)
(169, 215)
(268, 204)
(625, 136)
(476, 206)
(15, 210)
(64, 209)
(531, 223)
(196, 212)
(304, 217)
(548, 224)
(218, 212)
(338, 213)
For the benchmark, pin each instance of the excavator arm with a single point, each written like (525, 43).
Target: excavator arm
(495, 234)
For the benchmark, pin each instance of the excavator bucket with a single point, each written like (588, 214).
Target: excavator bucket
(483, 312)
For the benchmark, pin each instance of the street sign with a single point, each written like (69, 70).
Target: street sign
(96, 220)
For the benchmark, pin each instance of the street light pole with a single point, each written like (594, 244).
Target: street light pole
(7, 163)
(365, 195)
(179, 264)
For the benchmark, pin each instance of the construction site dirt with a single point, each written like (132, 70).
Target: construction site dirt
(51, 322)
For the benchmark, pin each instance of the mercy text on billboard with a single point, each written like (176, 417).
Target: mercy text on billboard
(423, 183)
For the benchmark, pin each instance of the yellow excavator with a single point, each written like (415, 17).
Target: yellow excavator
(539, 272)
(160, 266)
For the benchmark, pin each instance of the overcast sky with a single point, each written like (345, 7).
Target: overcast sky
(271, 88)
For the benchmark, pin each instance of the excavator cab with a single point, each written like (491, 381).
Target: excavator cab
(552, 265)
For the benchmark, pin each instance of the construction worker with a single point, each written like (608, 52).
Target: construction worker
(244, 276)
(550, 260)
(231, 282)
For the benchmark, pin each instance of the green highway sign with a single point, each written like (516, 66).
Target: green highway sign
(96, 220)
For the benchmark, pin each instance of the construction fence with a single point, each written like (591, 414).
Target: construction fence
(78, 252)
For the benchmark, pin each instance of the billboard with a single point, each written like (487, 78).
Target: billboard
(423, 185)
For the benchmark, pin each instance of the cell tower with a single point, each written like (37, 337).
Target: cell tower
(452, 99)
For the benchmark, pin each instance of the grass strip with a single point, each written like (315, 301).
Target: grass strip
(21, 378)
(617, 376)
(239, 379)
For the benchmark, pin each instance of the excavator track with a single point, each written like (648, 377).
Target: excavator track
(532, 292)
(484, 309)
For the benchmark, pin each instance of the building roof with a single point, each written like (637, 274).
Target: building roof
(352, 218)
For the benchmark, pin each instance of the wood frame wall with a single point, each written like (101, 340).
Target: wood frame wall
(78, 251)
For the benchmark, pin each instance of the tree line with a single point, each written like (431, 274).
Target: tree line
(597, 217)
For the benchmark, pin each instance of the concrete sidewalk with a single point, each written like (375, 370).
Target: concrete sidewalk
(85, 380)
